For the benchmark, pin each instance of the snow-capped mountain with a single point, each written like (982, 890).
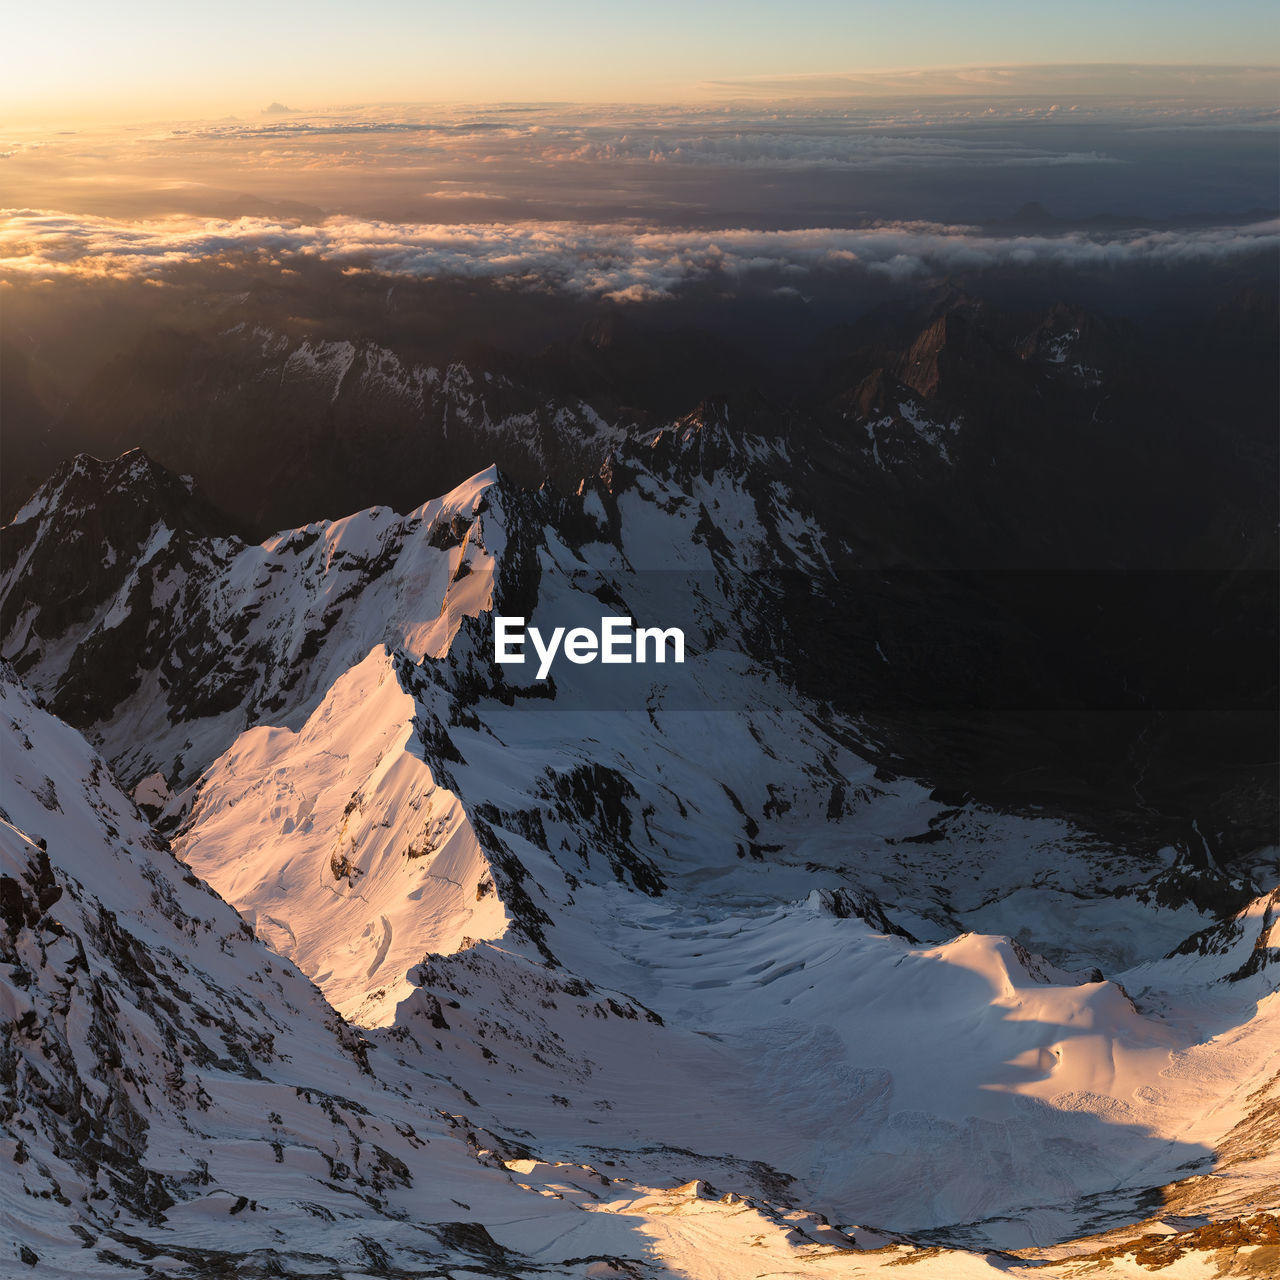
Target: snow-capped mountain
(179, 1097)
(674, 953)
(176, 1091)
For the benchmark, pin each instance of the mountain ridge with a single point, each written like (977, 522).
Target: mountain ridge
(535, 941)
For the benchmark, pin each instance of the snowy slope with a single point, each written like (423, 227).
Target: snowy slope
(339, 848)
(669, 929)
(616, 824)
(165, 1070)
(875, 1073)
(195, 637)
(178, 1097)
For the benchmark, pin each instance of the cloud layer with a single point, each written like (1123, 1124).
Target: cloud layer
(1181, 84)
(785, 150)
(844, 163)
(588, 260)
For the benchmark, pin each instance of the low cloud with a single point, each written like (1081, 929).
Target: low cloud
(448, 193)
(324, 127)
(589, 260)
(974, 158)
(1178, 84)
(782, 150)
(806, 142)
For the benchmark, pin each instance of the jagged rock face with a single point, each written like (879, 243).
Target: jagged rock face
(184, 633)
(678, 923)
(87, 551)
(188, 638)
(77, 544)
(172, 1089)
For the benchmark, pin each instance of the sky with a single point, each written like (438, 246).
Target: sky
(621, 151)
(88, 62)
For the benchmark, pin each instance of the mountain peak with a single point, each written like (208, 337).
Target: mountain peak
(133, 479)
(1034, 214)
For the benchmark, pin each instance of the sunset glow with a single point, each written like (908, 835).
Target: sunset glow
(638, 640)
(134, 61)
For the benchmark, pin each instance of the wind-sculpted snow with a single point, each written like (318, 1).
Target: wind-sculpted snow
(664, 955)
